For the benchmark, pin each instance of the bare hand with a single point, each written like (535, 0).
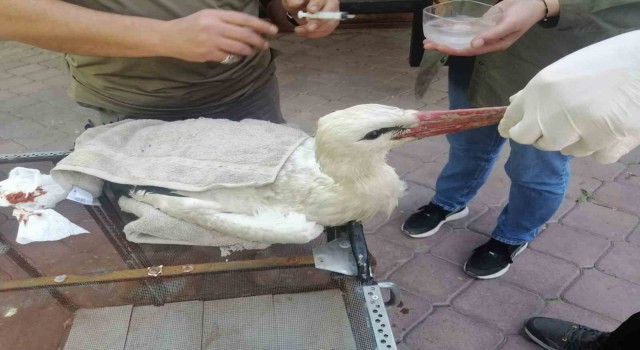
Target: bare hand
(313, 28)
(518, 17)
(212, 35)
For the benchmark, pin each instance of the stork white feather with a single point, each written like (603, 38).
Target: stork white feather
(339, 176)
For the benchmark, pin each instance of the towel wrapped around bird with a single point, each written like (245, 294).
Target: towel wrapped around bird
(252, 182)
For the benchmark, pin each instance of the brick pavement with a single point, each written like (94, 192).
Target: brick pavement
(583, 267)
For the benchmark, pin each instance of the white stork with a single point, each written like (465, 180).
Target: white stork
(339, 176)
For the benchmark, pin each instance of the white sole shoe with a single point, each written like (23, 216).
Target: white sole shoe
(499, 273)
(433, 231)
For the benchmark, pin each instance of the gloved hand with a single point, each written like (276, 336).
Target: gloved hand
(587, 103)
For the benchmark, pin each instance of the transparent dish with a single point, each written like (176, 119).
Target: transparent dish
(457, 22)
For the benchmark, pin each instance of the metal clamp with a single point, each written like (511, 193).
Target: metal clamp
(395, 293)
(379, 318)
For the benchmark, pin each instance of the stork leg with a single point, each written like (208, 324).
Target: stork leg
(266, 226)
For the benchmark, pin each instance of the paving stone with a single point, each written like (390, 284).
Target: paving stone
(9, 267)
(578, 184)
(486, 222)
(587, 167)
(540, 273)
(30, 88)
(496, 190)
(603, 221)
(13, 103)
(34, 142)
(14, 127)
(457, 246)
(403, 164)
(407, 313)
(431, 278)
(170, 326)
(570, 244)
(44, 74)
(476, 209)
(561, 310)
(99, 329)
(371, 226)
(446, 329)
(622, 261)
(565, 207)
(635, 236)
(604, 294)
(39, 323)
(426, 175)
(14, 82)
(425, 150)
(518, 342)
(389, 256)
(4, 276)
(415, 197)
(4, 95)
(631, 176)
(499, 304)
(61, 80)
(8, 147)
(632, 157)
(24, 70)
(619, 196)
(391, 232)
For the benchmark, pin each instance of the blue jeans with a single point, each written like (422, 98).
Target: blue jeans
(538, 178)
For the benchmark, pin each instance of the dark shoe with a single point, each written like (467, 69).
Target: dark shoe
(492, 259)
(428, 220)
(553, 334)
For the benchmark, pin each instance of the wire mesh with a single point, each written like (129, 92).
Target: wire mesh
(45, 317)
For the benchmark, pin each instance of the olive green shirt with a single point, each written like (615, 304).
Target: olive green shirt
(499, 75)
(161, 86)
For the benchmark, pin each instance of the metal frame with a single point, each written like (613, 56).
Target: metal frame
(110, 220)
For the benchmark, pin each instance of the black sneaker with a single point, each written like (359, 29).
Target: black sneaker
(428, 219)
(492, 259)
(553, 334)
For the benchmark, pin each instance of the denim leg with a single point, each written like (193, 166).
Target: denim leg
(472, 153)
(538, 183)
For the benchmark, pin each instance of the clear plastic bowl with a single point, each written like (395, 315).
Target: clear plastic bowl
(457, 22)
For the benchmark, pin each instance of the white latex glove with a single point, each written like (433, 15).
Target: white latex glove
(587, 103)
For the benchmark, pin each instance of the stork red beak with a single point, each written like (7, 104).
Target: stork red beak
(447, 122)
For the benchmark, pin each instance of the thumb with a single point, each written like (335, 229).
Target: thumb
(512, 116)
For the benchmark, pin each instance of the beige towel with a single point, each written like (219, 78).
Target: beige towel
(191, 155)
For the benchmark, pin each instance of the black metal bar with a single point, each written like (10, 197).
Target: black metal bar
(360, 251)
(33, 157)
(32, 271)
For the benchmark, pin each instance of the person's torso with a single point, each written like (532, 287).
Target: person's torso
(499, 75)
(162, 85)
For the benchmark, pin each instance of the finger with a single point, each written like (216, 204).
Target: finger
(614, 152)
(244, 35)
(513, 116)
(502, 30)
(526, 132)
(315, 5)
(251, 22)
(329, 5)
(293, 4)
(235, 47)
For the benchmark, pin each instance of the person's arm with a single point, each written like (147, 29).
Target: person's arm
(574, 15)
(587, 103)
(208, 35)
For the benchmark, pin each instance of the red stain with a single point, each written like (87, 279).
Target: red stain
(400, 304)
(404, 311)
(21, 197)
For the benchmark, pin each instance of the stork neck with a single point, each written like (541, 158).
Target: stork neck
(348, 169)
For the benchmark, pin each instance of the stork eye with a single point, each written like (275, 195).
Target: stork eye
(372, 135)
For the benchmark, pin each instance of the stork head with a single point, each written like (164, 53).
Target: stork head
(364, 130)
